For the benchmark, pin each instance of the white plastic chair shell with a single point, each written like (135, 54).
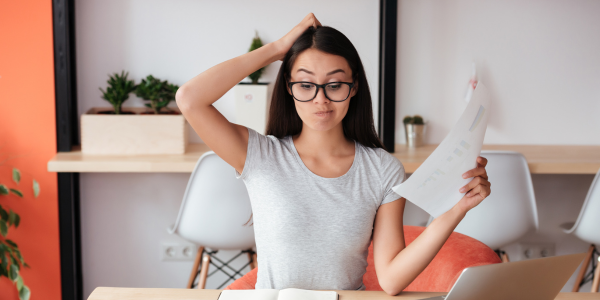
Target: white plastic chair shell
(587, 226)
(215, 207)
(510, 211)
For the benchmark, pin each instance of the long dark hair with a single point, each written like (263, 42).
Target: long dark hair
(358, 123)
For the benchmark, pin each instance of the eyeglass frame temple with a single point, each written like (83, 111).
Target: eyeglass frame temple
(350, 84)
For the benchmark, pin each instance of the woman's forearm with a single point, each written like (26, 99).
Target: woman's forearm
(413, 259)
(210, 85)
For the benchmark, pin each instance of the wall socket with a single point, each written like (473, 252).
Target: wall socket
(535, 250)
(177, 251)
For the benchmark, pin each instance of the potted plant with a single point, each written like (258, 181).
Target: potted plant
(161, 130)
(252, 98)
(256, 43)
(11, 259)
(414, 127)
(168, 96)
(158, 93)
(117, 92)
(150, 89)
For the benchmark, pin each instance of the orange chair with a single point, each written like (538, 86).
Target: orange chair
(459, 252)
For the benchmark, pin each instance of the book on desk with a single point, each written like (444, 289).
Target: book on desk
(284, 294)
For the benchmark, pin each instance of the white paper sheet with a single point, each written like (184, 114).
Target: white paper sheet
(301, 294)
(259, 294)
(434, 185)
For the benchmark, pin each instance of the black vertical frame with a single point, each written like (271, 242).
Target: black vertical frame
(388, 28)
(63, 20)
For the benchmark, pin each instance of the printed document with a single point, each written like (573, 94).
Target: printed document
(434, 185)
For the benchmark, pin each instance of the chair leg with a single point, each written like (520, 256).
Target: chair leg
(204, 271)
(195, 267)
(583, 268)
(596, 282)
(252, 259)
(504, 257)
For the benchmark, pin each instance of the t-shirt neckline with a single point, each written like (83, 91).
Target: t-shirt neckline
(310, 173)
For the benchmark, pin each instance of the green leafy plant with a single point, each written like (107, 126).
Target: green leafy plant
(168, 94)
(118, 90)
(256, 43)
(416, 120)
(11, 260)
(159, 93)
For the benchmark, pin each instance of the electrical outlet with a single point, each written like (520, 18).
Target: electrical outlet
(536, 250)
(177, 251)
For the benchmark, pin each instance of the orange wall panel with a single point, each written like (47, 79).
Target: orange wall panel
(28, 134)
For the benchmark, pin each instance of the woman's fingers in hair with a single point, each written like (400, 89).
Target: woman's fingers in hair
(285, 43)
(314, 21)
(311, 20)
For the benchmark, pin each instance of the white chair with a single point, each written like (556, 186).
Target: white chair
(587, 228)
(215, 214)
(510, 211)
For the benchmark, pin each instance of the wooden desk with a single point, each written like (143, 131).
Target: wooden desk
(107, 293)
(542, 159)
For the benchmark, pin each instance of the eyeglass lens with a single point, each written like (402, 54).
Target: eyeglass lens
(304, 91)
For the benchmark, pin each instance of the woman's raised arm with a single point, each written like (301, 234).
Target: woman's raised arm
(196, 97)
(396, 264)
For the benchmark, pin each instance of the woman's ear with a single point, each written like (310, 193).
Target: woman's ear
(287, 87)
(354, 90)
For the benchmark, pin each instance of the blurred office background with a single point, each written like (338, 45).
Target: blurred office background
(539, 59)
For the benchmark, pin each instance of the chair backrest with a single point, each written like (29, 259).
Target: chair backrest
(510, 211)
(587, 226)
(458, 253)
(215, 207)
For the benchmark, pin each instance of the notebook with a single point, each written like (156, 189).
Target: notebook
(284, 294)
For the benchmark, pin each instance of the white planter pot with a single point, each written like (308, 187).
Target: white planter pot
(133, 133)
(252, 104)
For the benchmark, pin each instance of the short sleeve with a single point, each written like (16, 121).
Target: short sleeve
(256, 146)
(391, 174)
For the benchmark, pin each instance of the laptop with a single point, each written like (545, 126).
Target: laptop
(534, 279)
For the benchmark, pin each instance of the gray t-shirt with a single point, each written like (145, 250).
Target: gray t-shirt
(314, 232)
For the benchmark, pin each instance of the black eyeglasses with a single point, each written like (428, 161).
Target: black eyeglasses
(305, 91)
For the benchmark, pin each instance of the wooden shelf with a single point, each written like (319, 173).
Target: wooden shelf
(77, 162)
(542, 159)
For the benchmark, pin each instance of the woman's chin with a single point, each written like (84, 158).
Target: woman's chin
(323, 125)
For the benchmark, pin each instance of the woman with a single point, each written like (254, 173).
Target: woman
(319, 181)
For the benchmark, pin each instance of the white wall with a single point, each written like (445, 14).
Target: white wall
(125, 216)
(177, 40)
(541, 61)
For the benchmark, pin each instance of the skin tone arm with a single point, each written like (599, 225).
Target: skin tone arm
(398, 265)
(196, 97)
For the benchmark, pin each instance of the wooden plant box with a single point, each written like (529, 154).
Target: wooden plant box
(133, 133)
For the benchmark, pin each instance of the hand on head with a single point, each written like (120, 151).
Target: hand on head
(286, 42)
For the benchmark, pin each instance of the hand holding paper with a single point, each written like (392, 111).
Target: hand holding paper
(435, 185)
(479, 187)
